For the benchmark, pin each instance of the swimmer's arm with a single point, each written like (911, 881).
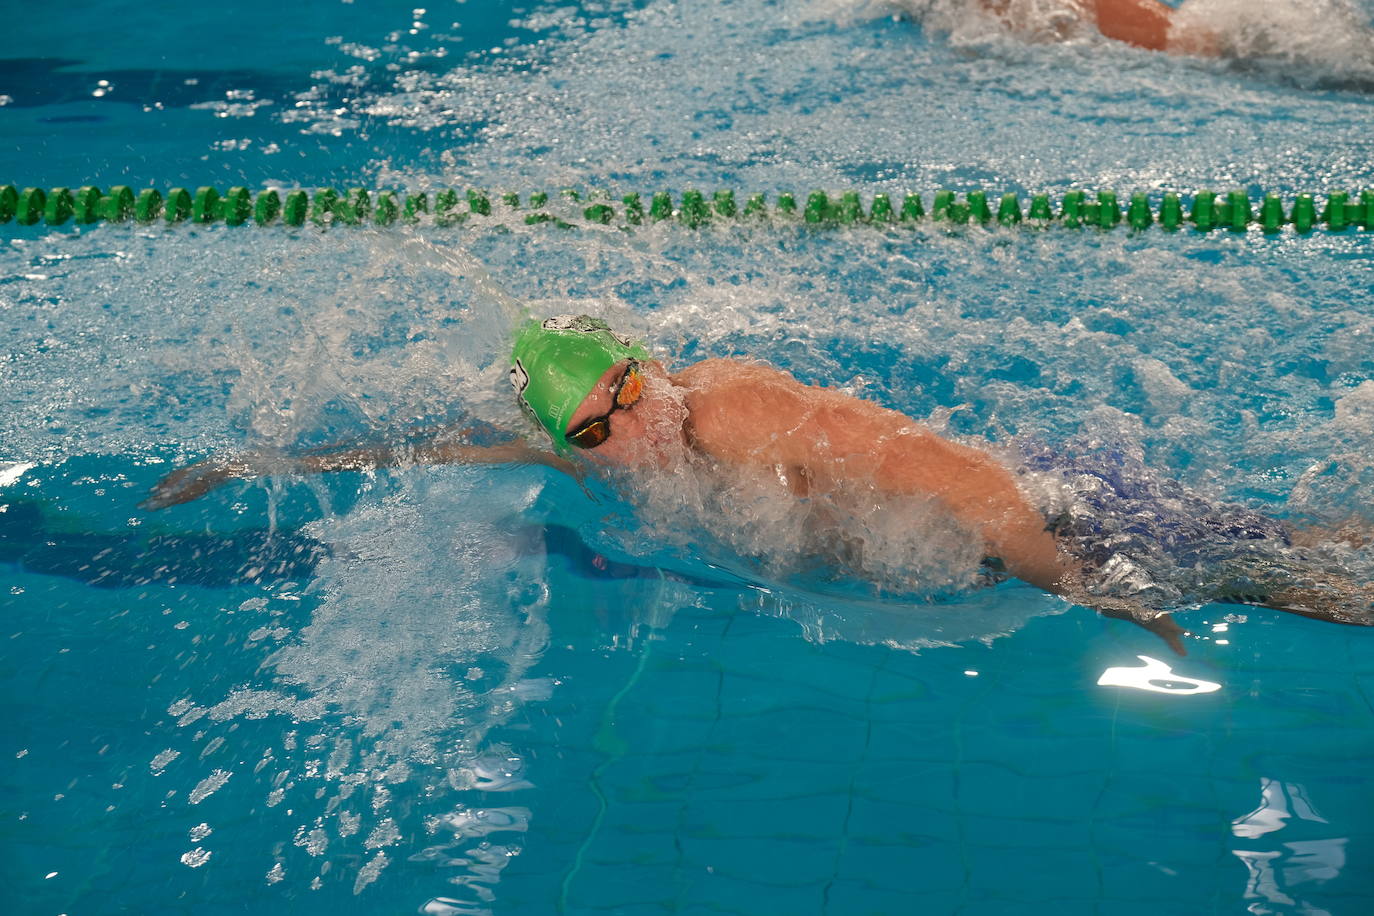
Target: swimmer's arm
(1153, 26)
(748, 415)
(194, 481)
(368, 458)
(904, 457)
(1143, 23)
(981, 495)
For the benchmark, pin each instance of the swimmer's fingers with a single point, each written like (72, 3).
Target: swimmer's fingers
(183, 485)
(1167, 629)
(1158, 623)
(194, 481)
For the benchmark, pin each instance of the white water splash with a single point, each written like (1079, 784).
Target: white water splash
(209, 786)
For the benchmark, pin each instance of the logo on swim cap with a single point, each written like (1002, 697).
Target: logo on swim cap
(520, 380)
(555, 364)
(584, 323)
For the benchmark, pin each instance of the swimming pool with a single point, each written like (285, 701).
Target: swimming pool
(465, 690)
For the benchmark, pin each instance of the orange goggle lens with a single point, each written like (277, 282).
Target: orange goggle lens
(631, 387)
(592, 434)
(627, 393)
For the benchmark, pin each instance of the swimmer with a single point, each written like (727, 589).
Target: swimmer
(604, 402)
(1145, 24)
(1315, 41)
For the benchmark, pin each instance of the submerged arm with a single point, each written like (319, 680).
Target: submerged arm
(194, 481)
(1157, 622)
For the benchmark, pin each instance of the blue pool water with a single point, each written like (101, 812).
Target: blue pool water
(492, 690)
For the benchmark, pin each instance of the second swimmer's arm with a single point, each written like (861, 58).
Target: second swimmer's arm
(1146, 24)
(1154, 26)
(1143, 23)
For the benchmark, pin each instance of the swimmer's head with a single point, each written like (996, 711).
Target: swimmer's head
(557, 362)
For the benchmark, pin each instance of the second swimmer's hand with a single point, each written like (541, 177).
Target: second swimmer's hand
(194, 481)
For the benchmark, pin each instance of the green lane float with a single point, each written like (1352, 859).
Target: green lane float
(1204, 211)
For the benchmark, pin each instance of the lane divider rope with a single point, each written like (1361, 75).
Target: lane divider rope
(237, 206)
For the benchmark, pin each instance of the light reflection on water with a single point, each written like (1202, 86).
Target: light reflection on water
(1155, 676)
(1279, 867)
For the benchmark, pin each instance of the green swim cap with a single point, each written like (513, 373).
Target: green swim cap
(558, 361)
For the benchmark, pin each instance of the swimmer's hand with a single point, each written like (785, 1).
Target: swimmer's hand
(197, 479)
(1157, 622)
(1167, 629)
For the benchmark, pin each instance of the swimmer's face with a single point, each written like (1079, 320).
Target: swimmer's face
(646, 432)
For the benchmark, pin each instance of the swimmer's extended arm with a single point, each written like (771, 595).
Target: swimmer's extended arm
(194, 481)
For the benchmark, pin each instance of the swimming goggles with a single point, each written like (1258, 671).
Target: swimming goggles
(627, 393)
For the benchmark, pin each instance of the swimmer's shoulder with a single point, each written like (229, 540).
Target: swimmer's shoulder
(741, 391)
(755, 392)
(739, 408)
(721, 373)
